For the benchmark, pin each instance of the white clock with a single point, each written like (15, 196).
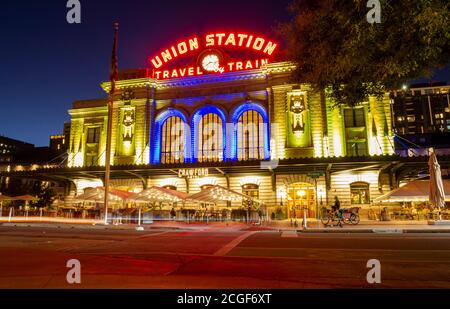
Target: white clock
(210, 63)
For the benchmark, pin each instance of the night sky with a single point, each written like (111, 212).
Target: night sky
(47, 63)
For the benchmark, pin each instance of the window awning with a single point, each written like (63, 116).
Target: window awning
(414, 191)
(4, 198)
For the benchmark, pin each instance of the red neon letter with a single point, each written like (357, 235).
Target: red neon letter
(166, 55)
(231, 40)
(220, 36)
(193, 44)
(210, 40)
(241, 38)
(182, 48)
(174, 52)
(250, 38)
(259, 42)
(270, 47)
(157, 62)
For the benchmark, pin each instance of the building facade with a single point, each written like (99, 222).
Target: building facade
(421, 119)
(251, 128)
(60, 142)
(10, 148)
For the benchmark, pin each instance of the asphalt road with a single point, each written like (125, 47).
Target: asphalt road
(219, 257)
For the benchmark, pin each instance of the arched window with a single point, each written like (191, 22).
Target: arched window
(250, 136)
(251, 190)
(359, 193)
(172, 140)
(210, 138)
(251, 132)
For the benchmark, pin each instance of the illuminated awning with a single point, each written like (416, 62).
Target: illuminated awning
(158, 194)
(218, 194)
(28, 198)
(98, 195)
(414, 191)
(4, 198)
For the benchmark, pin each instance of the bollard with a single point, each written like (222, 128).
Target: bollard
(304, 219)
(10, 214)
(139, 217)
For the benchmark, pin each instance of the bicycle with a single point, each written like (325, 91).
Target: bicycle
(351, 215)
(329, 217)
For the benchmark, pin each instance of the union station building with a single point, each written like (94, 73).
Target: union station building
(228, 114)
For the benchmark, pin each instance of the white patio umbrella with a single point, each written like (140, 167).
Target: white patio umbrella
(437, 193)
(218, 194)
(2, 199)
(156, 194)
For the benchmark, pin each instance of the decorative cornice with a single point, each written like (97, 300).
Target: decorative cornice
(256, 74)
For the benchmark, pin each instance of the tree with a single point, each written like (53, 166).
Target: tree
(46, 196)
(336, 48)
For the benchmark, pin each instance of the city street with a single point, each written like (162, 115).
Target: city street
(219, 256)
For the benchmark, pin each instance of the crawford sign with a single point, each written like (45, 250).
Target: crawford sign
(193, 172)
(209, 56)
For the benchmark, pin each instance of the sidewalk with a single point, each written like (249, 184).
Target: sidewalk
(283, 225)
(313, 226)
(365, 226)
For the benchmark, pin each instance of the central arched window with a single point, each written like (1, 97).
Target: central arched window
(210, 138)
(172, 140)
(250, 136)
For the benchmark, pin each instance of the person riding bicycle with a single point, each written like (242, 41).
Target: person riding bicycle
(337, 207)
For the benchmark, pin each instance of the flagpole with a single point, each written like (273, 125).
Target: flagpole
(113, 78)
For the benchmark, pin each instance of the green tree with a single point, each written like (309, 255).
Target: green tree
(46, 197)
(336, 48)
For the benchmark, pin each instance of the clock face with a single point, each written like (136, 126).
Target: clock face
(210, 63)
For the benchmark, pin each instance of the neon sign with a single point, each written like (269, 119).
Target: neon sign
(212, 60)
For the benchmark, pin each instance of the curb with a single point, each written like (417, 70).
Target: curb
(376, 230)
(371, 231)
(88, 226)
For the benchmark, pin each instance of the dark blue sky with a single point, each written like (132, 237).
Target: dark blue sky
(47, 63)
